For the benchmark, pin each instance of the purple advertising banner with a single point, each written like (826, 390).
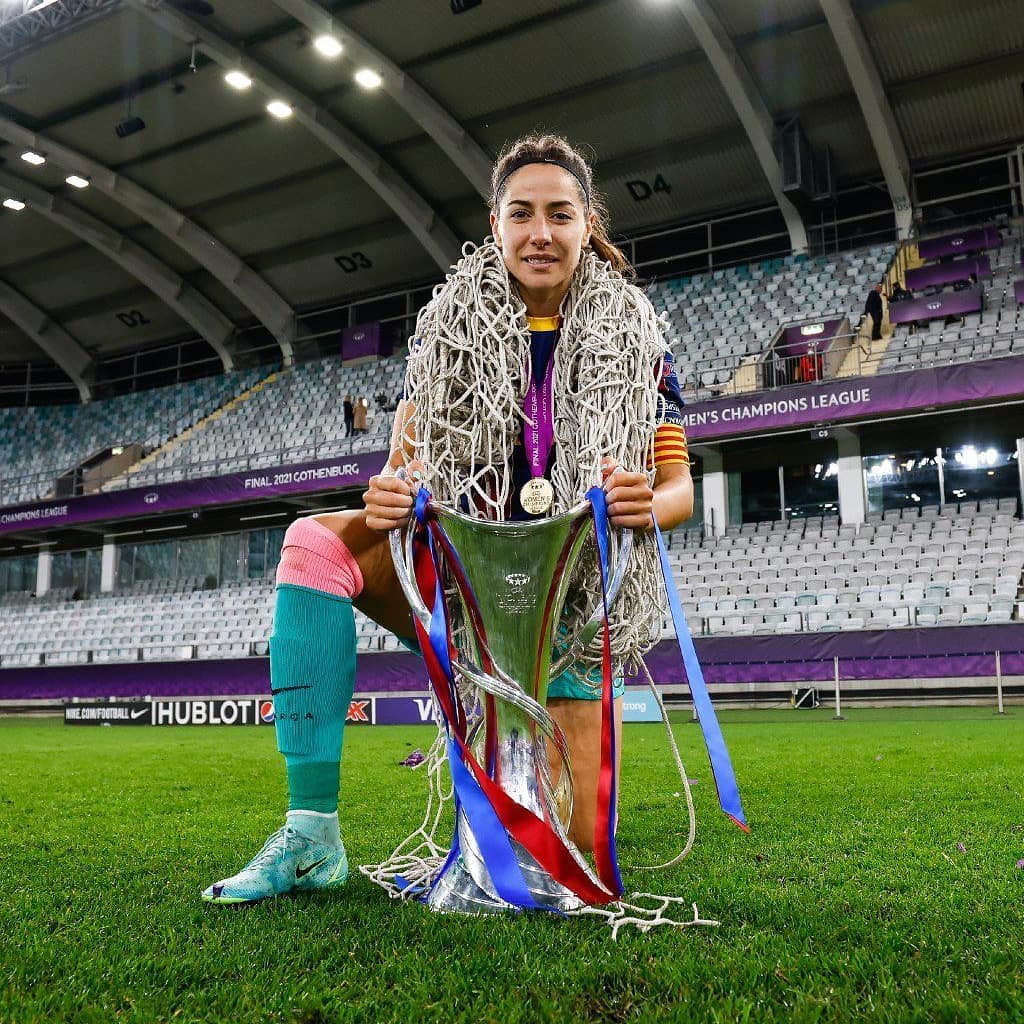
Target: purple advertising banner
(931, 307)
(343, 471)
(974, 240)
(946, 273)
(837, 401)
(1018, 292)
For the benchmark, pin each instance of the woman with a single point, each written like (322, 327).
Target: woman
(544, 310)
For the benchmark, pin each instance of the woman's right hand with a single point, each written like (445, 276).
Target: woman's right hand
(389, 499)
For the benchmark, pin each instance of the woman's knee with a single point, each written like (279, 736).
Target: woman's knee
(314, 556)
(339, 523)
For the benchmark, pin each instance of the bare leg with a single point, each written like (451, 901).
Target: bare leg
(382, 598)
(580, 720)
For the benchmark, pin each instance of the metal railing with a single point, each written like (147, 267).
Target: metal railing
(845, 356)
(185, 650)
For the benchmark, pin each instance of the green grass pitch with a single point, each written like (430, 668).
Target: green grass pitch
(880, 883)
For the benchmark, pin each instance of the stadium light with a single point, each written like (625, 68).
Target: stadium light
(14, 204)
(77, 181)
(368, 78)
(238, 80)
(35, 159)
(279, 109)
(328, 45)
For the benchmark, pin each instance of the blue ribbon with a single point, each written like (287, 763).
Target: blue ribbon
(721, 765)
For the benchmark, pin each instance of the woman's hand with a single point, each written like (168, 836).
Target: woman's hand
(630, 497)
(389, 499)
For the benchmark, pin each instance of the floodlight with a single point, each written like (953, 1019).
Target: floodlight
(238, 80)
(35, 159)
(368, 78)
(77, 181)
(328, 45)
(279, 109)
(14, 204)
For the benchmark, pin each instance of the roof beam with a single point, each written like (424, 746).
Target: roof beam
(456, 143)
(249, 287)
(26, 21)
(747, 102)
(882, 127)
(64, 350)
(191, 305)
(416, 213)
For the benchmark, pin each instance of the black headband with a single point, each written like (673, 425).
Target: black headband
(523, 161)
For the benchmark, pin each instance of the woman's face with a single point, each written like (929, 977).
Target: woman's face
(541, 226)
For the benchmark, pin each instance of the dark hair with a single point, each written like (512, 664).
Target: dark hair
(559, 150)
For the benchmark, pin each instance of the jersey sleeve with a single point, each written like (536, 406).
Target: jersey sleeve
(670, 397)
(670, 448)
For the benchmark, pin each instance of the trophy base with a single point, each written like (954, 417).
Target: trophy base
(465, 887)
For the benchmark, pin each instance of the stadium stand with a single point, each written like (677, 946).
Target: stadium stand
(727, 318)
(954, 566)
(39, 443)
(237, 421)
(161, 620)
(959, 565)
(996, 330)
(293, 416)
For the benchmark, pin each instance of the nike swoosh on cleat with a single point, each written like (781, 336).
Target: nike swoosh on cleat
(302, 872)
(286, 689)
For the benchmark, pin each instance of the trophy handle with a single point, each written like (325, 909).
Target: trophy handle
(401, 555)
(594, 623)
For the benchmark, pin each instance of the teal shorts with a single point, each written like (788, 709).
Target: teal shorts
(567, 686)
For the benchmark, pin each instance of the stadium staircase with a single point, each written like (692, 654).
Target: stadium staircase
(994, 332)
(124, 479)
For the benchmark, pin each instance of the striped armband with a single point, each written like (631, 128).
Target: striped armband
(670, 447)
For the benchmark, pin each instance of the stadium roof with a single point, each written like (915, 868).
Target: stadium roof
(218, 211)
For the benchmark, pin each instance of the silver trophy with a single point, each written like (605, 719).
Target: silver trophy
(519, 574)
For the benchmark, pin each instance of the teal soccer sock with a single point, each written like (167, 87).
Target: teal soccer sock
(312, 672)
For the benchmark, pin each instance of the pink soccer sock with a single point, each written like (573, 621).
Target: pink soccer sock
(314, 556)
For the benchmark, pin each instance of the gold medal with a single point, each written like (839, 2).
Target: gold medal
(536, 496)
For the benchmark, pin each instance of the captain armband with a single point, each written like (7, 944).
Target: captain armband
(670, 448)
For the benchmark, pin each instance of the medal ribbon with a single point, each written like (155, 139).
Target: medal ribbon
(539, 427)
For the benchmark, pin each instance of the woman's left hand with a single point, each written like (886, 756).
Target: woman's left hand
(630, 497)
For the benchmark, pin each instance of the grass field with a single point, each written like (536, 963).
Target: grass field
(880, 883)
